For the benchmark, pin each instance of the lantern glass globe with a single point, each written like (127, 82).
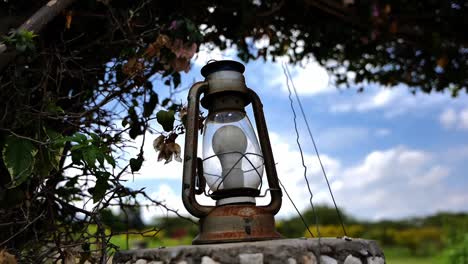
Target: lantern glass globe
(232, 158)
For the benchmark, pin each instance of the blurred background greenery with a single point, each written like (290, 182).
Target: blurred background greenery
(437, 239)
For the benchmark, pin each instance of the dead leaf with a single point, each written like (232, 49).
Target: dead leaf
(154, 48)
(158, 142)
(132, 66)
(387, 9)
(393, 27)
(180, 64)
(68, 19)
(442, 61)
(7, 258)
(167, 148)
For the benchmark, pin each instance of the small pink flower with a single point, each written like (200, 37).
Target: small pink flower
(173, 25)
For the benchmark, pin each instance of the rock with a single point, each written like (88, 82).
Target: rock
(141, 261)
(292, 261)
(352, 260)
(327, 260)
(309, 259)
(155, 262)
(375, 260)
(364, 252)
(251, 258)
(208, 260)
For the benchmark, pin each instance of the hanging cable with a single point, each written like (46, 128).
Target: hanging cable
(303, 161)
(285, 68)
(295, 207)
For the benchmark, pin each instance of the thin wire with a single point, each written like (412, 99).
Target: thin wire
(243, 155)
(302, 160)
(295, 207)
(315, 148)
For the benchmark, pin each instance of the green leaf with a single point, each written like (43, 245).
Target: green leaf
(53, 108)
(18, 156)
(166, 101)
(176, 79)
(149, 106)
(45, 161)
(100, 157)
(166, 119)
(95, 137)
(54, 149)
(135, 164)
(90, 155)
(125, 122)
(101, 187)
(76, 157)
(110, 160)
(135, 130)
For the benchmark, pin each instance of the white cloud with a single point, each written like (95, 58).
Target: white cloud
(464, 119)
(451, 119)
(167, 196)
(394, 183)
(374, 97)
(392, 102)
(382, 132)
(433, 176)
(291, 173)
(342, 137)
(310, 79)
(448, 118)
(381, 99)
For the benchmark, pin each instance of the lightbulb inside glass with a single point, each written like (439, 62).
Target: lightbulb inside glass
(231, 152)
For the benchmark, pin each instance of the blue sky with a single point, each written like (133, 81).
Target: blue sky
(388, 153)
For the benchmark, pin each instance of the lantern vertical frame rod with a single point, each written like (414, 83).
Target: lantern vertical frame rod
(270, 167)
(190, 153)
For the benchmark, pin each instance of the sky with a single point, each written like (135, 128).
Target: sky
(388, 154)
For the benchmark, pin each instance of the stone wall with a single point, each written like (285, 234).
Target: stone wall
(288, 251)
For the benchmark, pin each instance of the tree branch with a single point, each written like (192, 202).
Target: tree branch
(36, 23)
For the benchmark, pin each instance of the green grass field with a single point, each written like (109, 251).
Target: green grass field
(403, 256)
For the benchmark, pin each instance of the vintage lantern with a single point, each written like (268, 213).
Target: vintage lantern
(233, 159)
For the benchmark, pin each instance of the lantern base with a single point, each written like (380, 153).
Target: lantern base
(236, 223)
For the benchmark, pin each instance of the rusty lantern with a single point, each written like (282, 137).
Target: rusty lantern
(233, 159)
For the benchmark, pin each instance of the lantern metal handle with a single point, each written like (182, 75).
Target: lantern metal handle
(190, 152)
(270, 168)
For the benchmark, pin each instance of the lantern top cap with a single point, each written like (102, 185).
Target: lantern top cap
(222, 65)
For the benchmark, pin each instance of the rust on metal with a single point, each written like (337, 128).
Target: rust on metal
(235, 223)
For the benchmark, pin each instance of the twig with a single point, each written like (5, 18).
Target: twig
(22, 229)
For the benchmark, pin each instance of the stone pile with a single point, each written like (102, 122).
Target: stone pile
(284, 251)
